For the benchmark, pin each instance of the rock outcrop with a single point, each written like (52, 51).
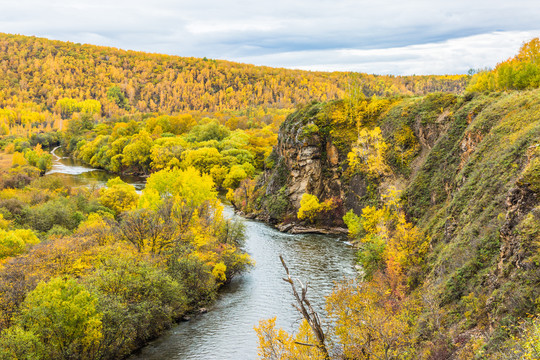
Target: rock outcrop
(305, 160)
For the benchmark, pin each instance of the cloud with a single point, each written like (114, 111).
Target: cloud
(452, 56)
(387, 36)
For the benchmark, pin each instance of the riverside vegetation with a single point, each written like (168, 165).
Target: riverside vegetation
(95, 273)
(439, 192)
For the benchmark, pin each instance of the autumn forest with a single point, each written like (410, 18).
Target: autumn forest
(432, 182)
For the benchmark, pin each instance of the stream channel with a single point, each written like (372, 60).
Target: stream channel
(226, 331)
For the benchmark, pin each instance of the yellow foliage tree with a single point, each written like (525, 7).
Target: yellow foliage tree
(119, 196)
(370, 322)
(277, 344)
(388, 241)
(99, 227)
(368, 154)
(310, 207)
(188, 186)
(18, 159)
(16, 242)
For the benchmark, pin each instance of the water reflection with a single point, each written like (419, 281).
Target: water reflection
(81, 174)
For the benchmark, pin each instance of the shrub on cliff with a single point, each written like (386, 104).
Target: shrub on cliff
(311, 208)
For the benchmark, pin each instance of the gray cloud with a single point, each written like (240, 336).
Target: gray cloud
(387, 36)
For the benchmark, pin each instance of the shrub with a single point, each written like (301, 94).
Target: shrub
(119, 196)
(310, 207)
(16, 242)
(63, 315)
(17, 343)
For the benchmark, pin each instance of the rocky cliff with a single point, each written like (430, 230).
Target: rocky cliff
(311, 157)
(468, 168)
(305, 160)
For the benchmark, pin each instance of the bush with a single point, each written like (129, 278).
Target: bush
(60, 211)
(16, 242)
(17, 343)
(18, 177)
(119, 196)
(198, 283)
(277, 204)
(137, 299)
(311, 208)
(63, 315)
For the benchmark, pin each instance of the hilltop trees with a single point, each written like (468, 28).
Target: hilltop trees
(520, 72)
(126, 81)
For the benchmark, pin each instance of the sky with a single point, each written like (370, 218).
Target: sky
(400, 37)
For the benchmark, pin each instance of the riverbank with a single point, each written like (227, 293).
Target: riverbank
(84, 256)
(294, 227)
(226, 331)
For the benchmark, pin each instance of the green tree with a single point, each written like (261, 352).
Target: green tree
(212, 130)
(137, 153)
(115, 94)
(16, 343)
(39, 158)
(63, 314)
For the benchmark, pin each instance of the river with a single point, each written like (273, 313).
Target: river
(226, 331)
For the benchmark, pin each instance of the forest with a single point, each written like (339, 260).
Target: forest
(434, 178)
(96, 273)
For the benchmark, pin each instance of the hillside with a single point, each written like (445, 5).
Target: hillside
(43, 71)
(441, 196)
(437, 189)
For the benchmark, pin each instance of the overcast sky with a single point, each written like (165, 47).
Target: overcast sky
(382, 37)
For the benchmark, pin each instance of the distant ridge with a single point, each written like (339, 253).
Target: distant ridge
(43, 71)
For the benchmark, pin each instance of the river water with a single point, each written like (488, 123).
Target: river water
(226, 331)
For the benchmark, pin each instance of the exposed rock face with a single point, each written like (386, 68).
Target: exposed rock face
(303, 157)
(311, 157)
(470, 182)
(519, 202)
(306, 161)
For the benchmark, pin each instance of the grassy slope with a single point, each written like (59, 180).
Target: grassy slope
(469, 183)
(459, 197)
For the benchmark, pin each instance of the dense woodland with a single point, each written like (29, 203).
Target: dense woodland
(96, 273)
(449, 258)
(43, 71)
